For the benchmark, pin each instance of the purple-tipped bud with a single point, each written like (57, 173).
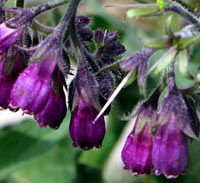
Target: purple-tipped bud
(54, 111)
(110, 38)
(170, 150)
(84, 132)
(32, 87)
(99, 36)
(137, 152)
(8, 36)
(84, 33)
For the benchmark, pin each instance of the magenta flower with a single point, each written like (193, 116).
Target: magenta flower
(137, 152)
(170, 150)
(8, 36)
(83, 131)
(32, 87)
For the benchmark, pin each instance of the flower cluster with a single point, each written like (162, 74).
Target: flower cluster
(172, 122)
(34, 69)
(33, 79)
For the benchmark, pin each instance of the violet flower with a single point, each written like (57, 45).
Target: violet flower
(170, 150)
(84, 132)
(32, 87)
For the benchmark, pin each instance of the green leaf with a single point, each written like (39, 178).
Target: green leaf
(165, 61)
(186, 42)
(57, 165)
(184, 63)
(140, 12)
(131, 79)
(25, 141)
(163, 42)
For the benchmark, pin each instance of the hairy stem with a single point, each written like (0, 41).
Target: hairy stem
(184, 10)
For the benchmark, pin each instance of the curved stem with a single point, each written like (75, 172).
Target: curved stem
(184, 10)
(42, 28)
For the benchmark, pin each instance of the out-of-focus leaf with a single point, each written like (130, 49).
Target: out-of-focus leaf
(140, 12)
(186, 42)
(25, 141)
(165, 61)
(89, 174)
(58, 165)
(163, 42)
(183, 63)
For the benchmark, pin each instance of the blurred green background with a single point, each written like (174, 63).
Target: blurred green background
(30, 154)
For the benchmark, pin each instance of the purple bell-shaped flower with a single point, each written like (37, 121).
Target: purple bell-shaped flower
(84, 132)
(170, 149)
(137, 152)
(31, 89)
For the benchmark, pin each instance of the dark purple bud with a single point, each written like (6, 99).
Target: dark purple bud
(170, 149)
(114, 49)
(110, 38)
(84, 132)
(85, 34)
(133, 61)
(32, 87)
(54, 111)
(99, 36)
(137, 152)
(82, 21)
(8, 36)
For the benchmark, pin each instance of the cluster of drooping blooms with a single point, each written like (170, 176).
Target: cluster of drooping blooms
(32, 73)
(160, 134)
(32, 78)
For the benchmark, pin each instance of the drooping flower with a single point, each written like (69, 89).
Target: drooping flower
(85, 105)
(55, 109)
(84, 132)
(170, 149)
(31, 89)
(170, 146)
(137, 151)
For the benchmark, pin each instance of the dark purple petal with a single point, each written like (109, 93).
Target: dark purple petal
(137, 152)
(54, 111)
(170, 150)
(8, 36)
(83, 131)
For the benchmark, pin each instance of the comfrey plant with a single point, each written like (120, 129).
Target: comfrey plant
(35, 62)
